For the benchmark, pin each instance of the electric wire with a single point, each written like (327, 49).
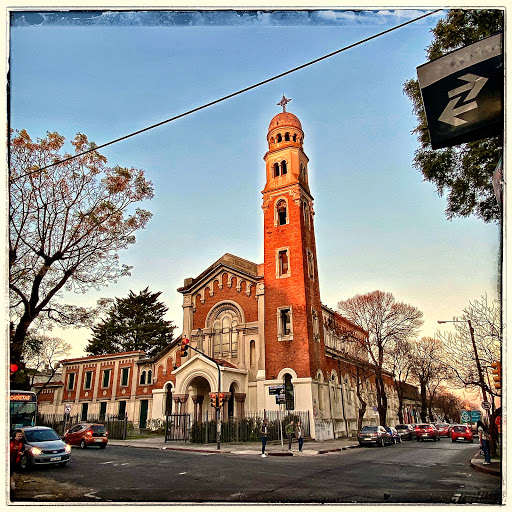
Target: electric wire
(241, 91)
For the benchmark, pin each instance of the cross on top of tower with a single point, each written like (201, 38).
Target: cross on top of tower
(283, 102)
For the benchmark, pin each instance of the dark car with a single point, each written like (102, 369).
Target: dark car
(442, 428)
(406, 431)
(461, 432)
(426, 431)
(87, 434)
(374, 435)
(43, 447)
(395, 436)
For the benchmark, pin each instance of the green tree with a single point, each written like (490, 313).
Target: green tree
(463, 172)
(133, 323)
(67, 224)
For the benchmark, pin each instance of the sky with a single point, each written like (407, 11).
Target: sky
(378, 225)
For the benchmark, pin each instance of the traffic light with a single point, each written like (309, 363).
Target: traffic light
(213, 399)
(496, 372)
(184, 347)
(14, 368)
(221, 400)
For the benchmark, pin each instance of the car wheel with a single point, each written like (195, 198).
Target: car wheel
(471, 441)
(83, 444)
(381, 442)
(103, 446)
(453, 440)
(418, 439)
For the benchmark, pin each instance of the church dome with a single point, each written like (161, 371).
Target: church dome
(285, 119)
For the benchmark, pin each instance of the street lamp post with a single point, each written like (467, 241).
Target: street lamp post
(477, 359)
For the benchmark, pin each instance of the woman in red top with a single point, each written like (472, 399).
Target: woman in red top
(16, 450)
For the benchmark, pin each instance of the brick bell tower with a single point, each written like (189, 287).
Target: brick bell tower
(293, 311)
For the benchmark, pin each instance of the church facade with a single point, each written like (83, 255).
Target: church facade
(263, 323)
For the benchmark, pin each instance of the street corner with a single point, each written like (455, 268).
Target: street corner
(280, 454)
(494, 468)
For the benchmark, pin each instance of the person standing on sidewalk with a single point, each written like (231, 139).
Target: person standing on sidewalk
(289, 432)
(299, 434)
(483, 436)
(263, 436)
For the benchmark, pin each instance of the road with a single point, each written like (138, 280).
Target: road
(410, 472)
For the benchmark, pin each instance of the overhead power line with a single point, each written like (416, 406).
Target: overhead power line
(206, 105)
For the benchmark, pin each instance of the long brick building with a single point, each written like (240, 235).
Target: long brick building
(264, 324)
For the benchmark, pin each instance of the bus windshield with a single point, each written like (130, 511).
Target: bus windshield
(22, 409)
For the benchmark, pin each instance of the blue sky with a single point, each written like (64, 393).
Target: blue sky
(378, 225)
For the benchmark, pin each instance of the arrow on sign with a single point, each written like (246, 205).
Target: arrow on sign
(474, 86)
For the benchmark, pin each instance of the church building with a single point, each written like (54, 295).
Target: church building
(263, 323)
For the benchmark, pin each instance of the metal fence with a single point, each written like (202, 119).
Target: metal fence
(117, 427)
(240, 430)
(177, 427)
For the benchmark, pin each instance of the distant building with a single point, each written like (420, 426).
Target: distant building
(264, 324)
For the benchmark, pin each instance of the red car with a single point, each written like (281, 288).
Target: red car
(426, 431)
(87, 434)
(461, 432)
(442, 428)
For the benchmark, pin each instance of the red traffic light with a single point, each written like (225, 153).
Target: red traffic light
(184, 347)
(14, 367)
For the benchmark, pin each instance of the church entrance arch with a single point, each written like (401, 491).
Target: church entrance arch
(199, 392)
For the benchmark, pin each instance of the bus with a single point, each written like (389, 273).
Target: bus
(22, 409)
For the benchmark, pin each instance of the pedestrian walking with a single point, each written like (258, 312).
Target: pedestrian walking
(299, 434)
(483, 436)
(263, 437)
(16, 451)
(289, 432)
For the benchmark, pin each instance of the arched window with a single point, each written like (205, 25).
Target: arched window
(286, 136)
(282, 213)
(225, 337)
(150, 375)
(252, 352)
(288, 392)
(284, 169)
(279, 138)
(276, 170)
(294, 137)
(272, 141)
(143, 377)
(216, 339)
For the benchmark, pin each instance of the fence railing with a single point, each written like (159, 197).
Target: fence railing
(245, 429)
(117, 426)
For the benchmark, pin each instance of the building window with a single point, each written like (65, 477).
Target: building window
(103, 410)
(276, 170)
(286, 136)
(71, 381)
(85, 411)
(125, 372)
(281, 212)
(294, 137)
(143, 378)
(106, 379)
(284, 323)
(284, 168)
(88, 380)
(311, 265)
(283, 265)
(279, 138)
(225, 337)
(150, 377)
(122, 409)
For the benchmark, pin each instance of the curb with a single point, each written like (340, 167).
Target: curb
(484, 469)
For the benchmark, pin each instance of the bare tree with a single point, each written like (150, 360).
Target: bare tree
(44, 353)
(386, 322)
(448, 405)
(67, 224)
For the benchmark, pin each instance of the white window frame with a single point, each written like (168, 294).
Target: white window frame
(280, 275)
(109, 370)
(276, 214)
(127, 378)
(85, 379)
(71, 385)
(280, 335)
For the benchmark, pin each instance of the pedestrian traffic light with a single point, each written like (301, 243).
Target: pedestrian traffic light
(14, 368)
(221, 400)
(496, 372)
(213, 399)
(184, 347)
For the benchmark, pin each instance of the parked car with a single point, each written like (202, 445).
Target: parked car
(374, 435)
(442, 428)
(87, 434)
(43, 446)
(426, 431)
(406, 431)
(461, 432)
(395, 436)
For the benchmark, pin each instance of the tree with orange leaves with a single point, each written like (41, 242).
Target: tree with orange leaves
(67, 224)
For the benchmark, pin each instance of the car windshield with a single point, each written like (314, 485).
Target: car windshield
(98, 429)
(38, 436)
(459, 429)
(369, 429)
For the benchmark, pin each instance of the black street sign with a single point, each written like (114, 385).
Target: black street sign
(276, 390)
(463, 93)
(280, 399)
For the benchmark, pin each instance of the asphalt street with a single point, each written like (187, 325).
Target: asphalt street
(410, 472)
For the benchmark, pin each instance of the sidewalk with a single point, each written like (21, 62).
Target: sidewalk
(494, 468)
(274, 448)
